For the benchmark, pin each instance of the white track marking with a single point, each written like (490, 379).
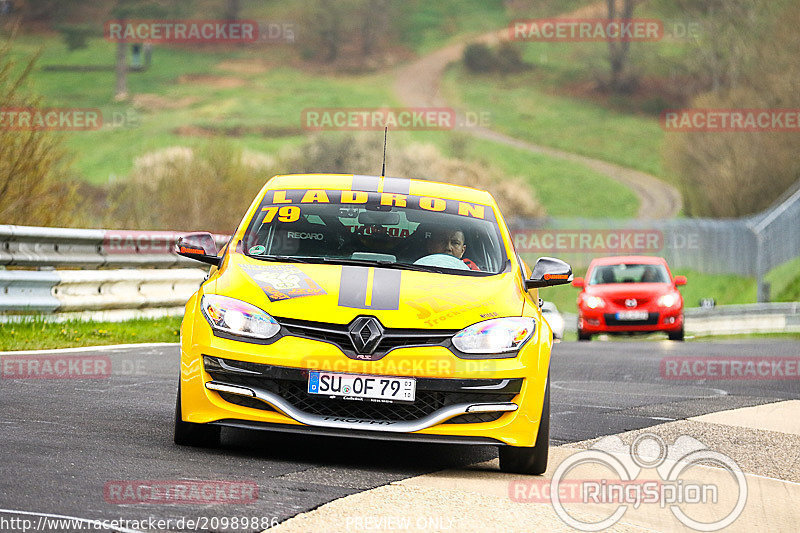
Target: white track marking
(92, 348)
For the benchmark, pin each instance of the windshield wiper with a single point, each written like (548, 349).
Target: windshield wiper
(346, 261)
(285, 258)
(382, 264)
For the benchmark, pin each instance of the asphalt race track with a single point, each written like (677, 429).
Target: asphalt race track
(63, 440)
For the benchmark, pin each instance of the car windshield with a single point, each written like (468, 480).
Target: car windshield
(393, 230)
(629, 273)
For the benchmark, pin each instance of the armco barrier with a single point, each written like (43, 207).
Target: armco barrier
(22, 290)
(745, 319)
(29, 246)
(95, 290)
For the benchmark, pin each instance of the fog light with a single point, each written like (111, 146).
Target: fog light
(670, 320)
(593, 321)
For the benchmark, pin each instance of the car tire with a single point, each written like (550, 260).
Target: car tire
(191, 434)
(583, 336)
(675, 335)
(530, 460)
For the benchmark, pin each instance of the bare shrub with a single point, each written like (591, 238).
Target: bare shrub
(733, 174)
(183, 189)
(33, 164)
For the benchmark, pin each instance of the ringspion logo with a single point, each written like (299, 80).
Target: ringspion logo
(622, 484)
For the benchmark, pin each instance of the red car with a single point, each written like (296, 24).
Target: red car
(635, 294)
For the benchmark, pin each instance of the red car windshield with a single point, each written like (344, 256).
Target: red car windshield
(629, 273)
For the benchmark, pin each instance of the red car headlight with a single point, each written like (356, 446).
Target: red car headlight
(668, 300)
(593, 302)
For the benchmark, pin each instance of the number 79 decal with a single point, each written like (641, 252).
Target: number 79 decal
(287, 213)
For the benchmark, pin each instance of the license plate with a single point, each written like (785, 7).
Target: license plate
(354, 386)
(633, 315)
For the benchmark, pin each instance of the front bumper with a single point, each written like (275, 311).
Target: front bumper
(506, 411)
(604, 321)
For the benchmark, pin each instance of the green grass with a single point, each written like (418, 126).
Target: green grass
(270, 102)
(37, 334)
(785, 281)
(520, 107)
(560, 185)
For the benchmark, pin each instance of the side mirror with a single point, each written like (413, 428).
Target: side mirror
(679, 280)
(548, 272)
(200, 247)
(578, 282)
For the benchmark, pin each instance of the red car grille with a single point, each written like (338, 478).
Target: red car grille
(639, 301)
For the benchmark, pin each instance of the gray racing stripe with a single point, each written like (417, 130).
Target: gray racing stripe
(385, 288)
(365, 183)
(396, 185)
(353, 287)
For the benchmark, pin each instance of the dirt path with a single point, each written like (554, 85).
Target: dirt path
(418, 84)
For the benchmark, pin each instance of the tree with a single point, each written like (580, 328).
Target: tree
(619, 51)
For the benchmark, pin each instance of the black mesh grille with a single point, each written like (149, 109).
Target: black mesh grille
(295, 392)
(474, 418)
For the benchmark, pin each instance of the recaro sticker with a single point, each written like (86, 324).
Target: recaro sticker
(283, 282)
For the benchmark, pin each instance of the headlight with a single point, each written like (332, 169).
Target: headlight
(498, 335)
(593, 302)
(668, 300)
(237, 317)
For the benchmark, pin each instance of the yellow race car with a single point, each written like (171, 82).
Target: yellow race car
(375, 307)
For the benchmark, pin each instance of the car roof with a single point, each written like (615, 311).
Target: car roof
(617, 260)
(356, 182)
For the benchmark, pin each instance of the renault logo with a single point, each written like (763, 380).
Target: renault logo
(365, 334)
(630, 302)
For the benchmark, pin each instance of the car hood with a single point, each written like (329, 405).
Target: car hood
(339, 293)
(629, 290)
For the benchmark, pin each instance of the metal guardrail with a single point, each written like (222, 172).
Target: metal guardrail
(57, 291)
(744, 319)
(35, 247)
(94, 272)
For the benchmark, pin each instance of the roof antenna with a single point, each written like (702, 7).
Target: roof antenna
(383, 169)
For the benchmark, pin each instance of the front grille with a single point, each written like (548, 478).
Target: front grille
(338, 334)
(611, 320)
(474, 418)
(640, 302)
(291, 385)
